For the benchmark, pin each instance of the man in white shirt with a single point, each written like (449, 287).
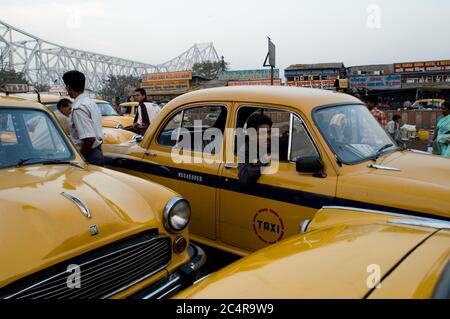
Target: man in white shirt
(86, 119)
(393, 127)
(146, 112)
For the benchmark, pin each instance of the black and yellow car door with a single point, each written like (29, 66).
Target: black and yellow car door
(274, 208)
(180, 157)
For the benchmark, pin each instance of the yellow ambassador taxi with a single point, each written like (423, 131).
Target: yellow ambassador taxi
(129, 109)
(72, 230)
(332, 152)
(346, 253)
(110, 118)
(112, 124)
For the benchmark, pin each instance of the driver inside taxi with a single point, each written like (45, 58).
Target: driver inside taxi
(251, 162)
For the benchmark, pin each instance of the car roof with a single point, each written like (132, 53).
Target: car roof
(302, 98)
(8, 101)
(129, 104)
(45, 98)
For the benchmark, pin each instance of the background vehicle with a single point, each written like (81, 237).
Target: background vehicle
(346, 253)
(427, 104)
(112, 134)
(129, 109)
(128, 237)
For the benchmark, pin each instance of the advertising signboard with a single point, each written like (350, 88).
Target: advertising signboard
(248, 75)
(276, 82)
(182, 75)
(417, 67)
(388, 82)
(323, 84)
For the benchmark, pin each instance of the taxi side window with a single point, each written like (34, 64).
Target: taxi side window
(41, 133)
(301, 145)
(300, 142)
(280, 120)
(7, 131)
(196, 121)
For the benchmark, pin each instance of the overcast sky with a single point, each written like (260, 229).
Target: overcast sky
(304, 31)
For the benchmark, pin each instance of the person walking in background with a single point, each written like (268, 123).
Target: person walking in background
(64, 109)
(145, 114)
(117, 105)
(86, 119)
(380, 116)
(393, 128)
(442, 136)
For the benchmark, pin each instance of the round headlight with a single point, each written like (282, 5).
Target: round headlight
(177, 215)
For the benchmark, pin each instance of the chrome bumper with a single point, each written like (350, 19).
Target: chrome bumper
(179, 280)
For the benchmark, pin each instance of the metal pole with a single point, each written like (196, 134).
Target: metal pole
(271, 75)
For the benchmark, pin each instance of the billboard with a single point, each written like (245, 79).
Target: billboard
(417, 67)
(376, 82)
(181, 75)
(276, 82)
(168, 85)
(166, 81)
(248, 75)
(321, 84)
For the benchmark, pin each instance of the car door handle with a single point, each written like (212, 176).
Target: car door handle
(231, 166)
(150, 153)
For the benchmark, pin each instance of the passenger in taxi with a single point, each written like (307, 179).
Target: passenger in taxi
(250, 160)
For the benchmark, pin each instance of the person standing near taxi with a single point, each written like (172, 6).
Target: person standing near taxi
(145, 113)
(64, 108)
(85, 119)
(442, 137)
(380, 116)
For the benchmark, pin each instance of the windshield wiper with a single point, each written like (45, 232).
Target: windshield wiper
(380, 151)
(38, 160)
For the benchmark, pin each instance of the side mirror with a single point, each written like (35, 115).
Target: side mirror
(311, 165)
(137, 138)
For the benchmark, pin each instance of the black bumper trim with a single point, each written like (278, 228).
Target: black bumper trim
(179, 280)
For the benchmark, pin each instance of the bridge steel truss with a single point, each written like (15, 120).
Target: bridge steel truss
(43, 62)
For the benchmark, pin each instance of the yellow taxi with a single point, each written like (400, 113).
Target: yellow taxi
(110, 118)
(72, 230)
(332, 151)
(346, 253)
(112, 132)
(129, 109)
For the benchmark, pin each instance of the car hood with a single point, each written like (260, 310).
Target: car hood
(40, 227)
(116, 136)
(114, 121)
(343, 261)
(421, 184)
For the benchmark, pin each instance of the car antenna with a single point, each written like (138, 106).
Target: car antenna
(38, 95)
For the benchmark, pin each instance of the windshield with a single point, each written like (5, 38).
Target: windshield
(107, 110)
(51, 106)
(31, 137)
(353, 133)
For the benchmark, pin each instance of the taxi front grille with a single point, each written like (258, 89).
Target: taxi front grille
(103, 272)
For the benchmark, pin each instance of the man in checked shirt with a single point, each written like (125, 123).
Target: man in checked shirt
(371, 103)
